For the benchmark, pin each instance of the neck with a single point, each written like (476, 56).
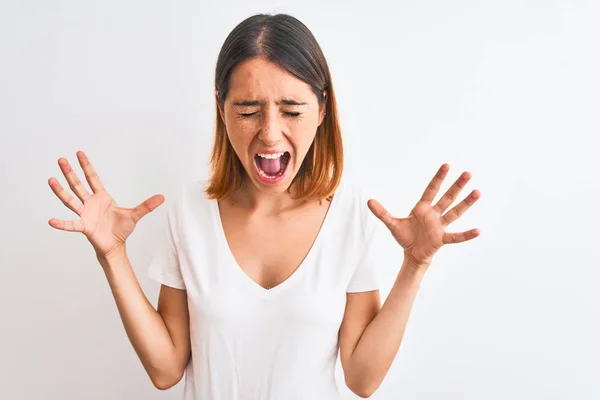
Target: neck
(248, 196)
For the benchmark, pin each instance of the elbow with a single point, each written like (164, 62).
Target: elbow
(162, 385)
(363, 393)
(362, 389)
(166, 381)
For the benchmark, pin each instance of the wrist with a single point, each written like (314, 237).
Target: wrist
(410, 261)
(409, 277)
(114, 257)
(411, 268)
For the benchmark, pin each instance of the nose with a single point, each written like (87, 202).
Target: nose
(270, 129)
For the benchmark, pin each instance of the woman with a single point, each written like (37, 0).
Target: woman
(267, 269)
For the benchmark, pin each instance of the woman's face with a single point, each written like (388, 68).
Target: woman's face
(271, 119)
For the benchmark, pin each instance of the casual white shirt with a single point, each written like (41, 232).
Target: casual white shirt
(252, 343)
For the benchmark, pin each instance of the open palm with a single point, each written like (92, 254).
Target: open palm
(422, 233)
(102, 221)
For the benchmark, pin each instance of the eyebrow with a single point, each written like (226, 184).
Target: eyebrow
(250, 103)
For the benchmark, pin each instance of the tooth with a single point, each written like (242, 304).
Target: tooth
(271, 156)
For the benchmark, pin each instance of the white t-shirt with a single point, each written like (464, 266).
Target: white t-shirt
(252, 343)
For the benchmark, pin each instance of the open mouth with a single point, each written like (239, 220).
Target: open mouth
(272, 166)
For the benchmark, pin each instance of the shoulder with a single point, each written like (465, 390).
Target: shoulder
(352, 204)
(191, 191)
(189, 198)
(353, 190)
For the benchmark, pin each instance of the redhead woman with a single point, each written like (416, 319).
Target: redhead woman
(267, 268)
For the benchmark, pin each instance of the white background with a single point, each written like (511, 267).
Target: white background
(508, 90)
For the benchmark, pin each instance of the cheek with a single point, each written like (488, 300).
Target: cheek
(240, 135)
(304, 132)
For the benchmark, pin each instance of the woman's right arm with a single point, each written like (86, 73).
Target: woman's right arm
(160, 337)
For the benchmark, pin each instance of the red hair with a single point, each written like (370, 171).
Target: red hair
(287, 42)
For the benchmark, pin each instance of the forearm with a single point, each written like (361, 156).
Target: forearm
(143, 324)
(379, 344)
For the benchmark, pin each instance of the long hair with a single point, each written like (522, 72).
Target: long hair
(288, 43)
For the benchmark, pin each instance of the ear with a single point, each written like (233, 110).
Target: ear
(323, 108)
(221, 112)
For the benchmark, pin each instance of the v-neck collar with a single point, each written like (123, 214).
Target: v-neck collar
(300, 270)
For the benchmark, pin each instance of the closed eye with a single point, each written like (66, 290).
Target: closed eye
(291, 114)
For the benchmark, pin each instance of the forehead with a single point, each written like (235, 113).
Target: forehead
(259, 78)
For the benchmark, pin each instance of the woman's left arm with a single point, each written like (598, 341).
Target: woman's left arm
(370, 338)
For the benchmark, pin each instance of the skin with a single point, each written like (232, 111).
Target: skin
(160, 337)
(370, 334)
(422, 234)
(268, 232)
(269, 125)
(248, 213)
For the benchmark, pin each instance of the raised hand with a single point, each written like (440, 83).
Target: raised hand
(422, 233)
(102, 221)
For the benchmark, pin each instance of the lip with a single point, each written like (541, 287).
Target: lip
(272, 152)
(271, 180)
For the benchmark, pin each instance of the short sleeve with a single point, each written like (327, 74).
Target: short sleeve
(165, 267)
(365, 275)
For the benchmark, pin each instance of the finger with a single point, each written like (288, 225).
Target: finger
(74, 182)
(456, 212)
(67, 198)
(449, 197)
(435, 184)
(380, 212)
(459, 237)
(70, 226)
(90, 173)
(147, 206)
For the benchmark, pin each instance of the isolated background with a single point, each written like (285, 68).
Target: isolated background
(507, 90)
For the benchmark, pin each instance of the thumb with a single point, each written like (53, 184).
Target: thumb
(380, 212)
(148, 205)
